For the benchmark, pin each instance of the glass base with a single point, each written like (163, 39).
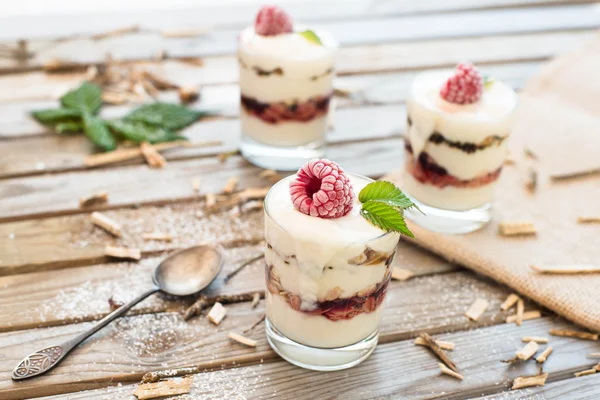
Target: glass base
(449, 221)
(320, 359)
(280, 158)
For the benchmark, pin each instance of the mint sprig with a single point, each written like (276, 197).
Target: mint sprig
(311, 36)
(383, 205)
(488, 81)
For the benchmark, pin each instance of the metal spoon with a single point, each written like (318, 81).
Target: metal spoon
(182, 274)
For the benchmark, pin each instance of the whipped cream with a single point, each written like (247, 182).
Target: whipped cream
(290, 133)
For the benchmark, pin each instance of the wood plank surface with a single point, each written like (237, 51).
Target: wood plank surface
(138, 344)
(584, 388)
(145, 45)
(59, 153)
(397, 370)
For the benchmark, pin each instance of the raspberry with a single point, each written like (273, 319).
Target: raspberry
(464, 87)
(321, 189)
(272, 20)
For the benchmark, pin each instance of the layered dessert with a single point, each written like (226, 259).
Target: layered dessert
(455, 143)
(327, 260)
(286, 81)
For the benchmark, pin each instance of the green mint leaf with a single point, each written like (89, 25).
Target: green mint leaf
(69, 127)
(97, 131)
(386, 192)
(488, 80)
(142, 132)
(385, 216)
(311, 36)
(56, 115)
(87, 97)
(165, 115)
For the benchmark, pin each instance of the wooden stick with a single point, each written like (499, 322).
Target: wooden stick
(573, 334)
(116, 32)
(152, 156)
(255, 300)
(253, 193)
(594, 355)
(520, 312)
(477, 309)
(123, 252)
(196, 184)
(588, 220)
(526, 316)
(510, 301)
(529, 381)
(433, 346)
(158, 236)
(93, 200)
(528, 351)
(225, 156)
(532, 180)
(585, 372)
(537, 339)
(447, 371)
(242, 266)
(570, 269)
(156, 376)
(217, 313)
(400, 274)
(170, 387)
(231, 184)
(203, 302)
(241, 339)
(510, 229)
(574, 175)
(106, 223)
(443, 345)
(254, 325)
(270, 175)
(544, 356)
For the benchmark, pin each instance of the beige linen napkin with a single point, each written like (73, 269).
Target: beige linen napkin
(558, 120)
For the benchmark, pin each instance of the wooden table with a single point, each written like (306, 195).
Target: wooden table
(55, 279)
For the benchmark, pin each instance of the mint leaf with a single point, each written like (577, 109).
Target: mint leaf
(311, 36)
(386, 192)
(55, 115)
(98, 132)
(385, 216)
(87, 97)
(488, 80)
(69, 127)
(165, 115)
(142, 132)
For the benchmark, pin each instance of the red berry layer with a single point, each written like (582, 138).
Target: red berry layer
(274, 113)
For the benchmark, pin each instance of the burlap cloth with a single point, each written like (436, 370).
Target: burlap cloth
(559, 120)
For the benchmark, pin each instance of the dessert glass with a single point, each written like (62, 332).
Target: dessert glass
(286, 84)
(455, 153)
(326, 282)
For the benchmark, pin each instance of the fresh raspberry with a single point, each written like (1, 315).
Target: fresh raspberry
(272, 20)
(464, 87)
(322, 189)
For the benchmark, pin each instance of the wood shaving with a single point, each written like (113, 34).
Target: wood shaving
(195, 61)
(574, 175)
(254, 325)
(255, 300)
(109, 225)
(231, 185)
(169, 387)
(594, 355)
(573, 334)
(187, 32)
(520, 312)
(510, 301)
(204, 301)
(516, 229)
(588, 220)
(217, 313)
(253, 193)
(157, 81)
(93, 200)
(158, 236)
(116, 32)
(123, 252)
(537, 339)
(211, 200)
(225, 156)
(443, 344)
(567, 269)
(400, 274)
(529, 381)
(441, 354)
(544, 356)
(585, 372)
(56, 65)
(188, 94)
(528, 351)
(532, 180)
(241, 339)
(114, 98)
(270, 175)
(477, 309)
(529, 153)
(527, 315)
(242, 266)
(195, 184)
(447, 371)
(152, 156)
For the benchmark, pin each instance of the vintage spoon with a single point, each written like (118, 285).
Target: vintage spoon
(181, 274)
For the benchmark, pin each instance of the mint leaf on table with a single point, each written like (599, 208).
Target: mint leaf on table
(87, 97)
(69, 127)
(165, 115)
(137, 131)
(386, 192)
(385, 217)
(311, 36)
(97, 131)
(56, 115)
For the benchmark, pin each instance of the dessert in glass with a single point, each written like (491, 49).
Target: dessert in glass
(286, 84)
(328, 264)
(455, 147)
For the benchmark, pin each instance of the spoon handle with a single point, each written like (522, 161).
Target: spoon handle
(44, 360)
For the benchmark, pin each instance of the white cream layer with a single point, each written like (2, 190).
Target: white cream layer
(449, 197)
(491, 115)
(284, 134)
(465, 166)
(318, 331)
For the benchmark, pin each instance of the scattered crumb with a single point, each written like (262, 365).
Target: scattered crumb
(217, 313)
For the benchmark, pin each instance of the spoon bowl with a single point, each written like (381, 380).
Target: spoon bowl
(188, 271)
